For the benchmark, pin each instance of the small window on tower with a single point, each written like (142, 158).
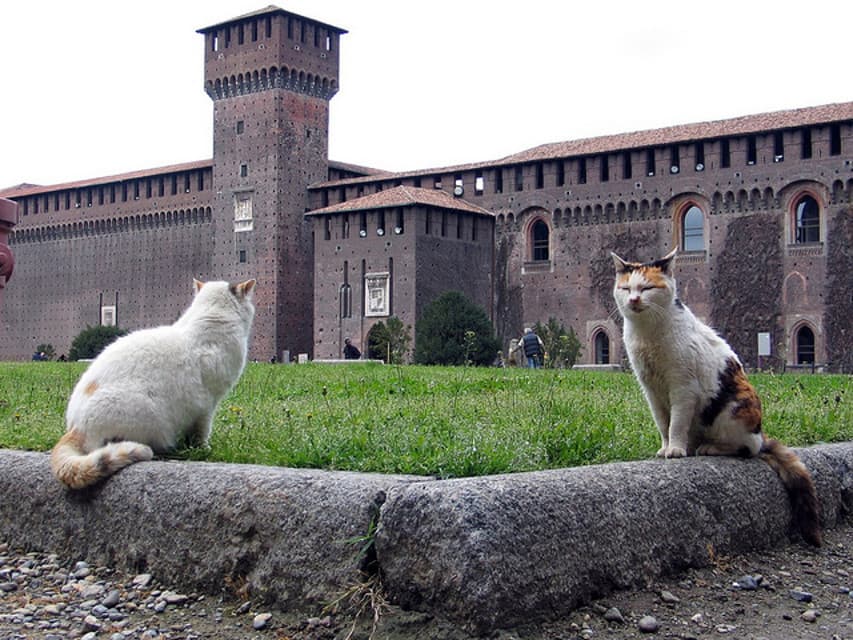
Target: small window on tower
(242, 256)
(240, 126)
(244, 170)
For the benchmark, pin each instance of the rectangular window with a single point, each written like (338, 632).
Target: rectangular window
(187, 182)
(362, 224)
(627, 169)
(174, 183)
(540, 176)
(778, 147)
(240, 36)
(751, 150)
(240, 126)
(201, 180)
(399, 227)
(380, 223)
(725, 154)
(605, 168)
(835, 140)
(479, 184)
(241, 256)
(650, 162)
(244, 170)
(674, 159)
(806, 144)
(561, 173)
(582, 171)
(148, 189)
(108, 316)
(459, 220)
(436, 182)
(327, 228)
(519, 178)
(499, 180)
(700, 156)
(345, 226)
(443, 223)
(254, 31)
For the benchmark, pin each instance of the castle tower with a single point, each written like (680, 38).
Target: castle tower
(270, 75)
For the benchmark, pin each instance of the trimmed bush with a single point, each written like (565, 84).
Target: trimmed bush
(92, 340)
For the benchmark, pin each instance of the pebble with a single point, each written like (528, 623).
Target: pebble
(614, 615)
(747, 583)
(801, 596)
(261, 621)
(669, 597)
(810, 615)
(648, 624)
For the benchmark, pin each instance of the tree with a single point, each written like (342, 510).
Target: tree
(563, 347)
(455, 331)
(92, 340)
(389, 342)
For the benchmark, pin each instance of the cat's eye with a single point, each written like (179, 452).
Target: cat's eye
(647, 287)
(625, 288)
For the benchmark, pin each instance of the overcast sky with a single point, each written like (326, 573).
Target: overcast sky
(94, 88)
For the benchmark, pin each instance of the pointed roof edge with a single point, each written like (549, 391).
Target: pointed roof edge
(403, 196)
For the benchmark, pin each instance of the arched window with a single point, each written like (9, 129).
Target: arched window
(693, 230)
(539, 235)
(346, 301)
(807, 220)
(602, 348)
(805, 345)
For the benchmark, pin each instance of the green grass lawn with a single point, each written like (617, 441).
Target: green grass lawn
(440, 421)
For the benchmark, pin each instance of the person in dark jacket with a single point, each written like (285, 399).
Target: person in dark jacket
(532, 347)
(351, 352)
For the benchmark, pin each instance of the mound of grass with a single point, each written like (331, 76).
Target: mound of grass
(435, 421)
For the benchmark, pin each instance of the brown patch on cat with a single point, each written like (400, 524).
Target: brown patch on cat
(748, 407)
(91, 388)
(735, 388)
(654, 276)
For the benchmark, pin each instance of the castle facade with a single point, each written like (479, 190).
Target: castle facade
(760, 208)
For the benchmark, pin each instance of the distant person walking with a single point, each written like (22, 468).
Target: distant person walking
(532, 347)
(351, 352)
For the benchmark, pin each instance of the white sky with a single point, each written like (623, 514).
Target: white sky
(99, 87)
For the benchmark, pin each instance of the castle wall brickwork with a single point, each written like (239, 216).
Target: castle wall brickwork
(760, 208)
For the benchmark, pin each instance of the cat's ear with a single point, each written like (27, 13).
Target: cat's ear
(197, 285)
(620, 264)
(665, 263)
(244, 289)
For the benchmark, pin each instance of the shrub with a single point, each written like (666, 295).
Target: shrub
(389, 342)
(455, 331)
(563, 347)
(92, 340)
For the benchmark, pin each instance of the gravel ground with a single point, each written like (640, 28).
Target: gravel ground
(791, 593)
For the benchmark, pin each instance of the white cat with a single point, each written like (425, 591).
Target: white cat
(695, 385)
(154, 389)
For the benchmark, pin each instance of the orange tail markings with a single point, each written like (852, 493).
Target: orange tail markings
(798, 482)
(77, 469)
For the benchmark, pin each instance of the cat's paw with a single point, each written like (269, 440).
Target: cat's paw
(661, 452)
(675, 452)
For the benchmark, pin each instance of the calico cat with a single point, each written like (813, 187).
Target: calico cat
(154, 389)
(695, 385)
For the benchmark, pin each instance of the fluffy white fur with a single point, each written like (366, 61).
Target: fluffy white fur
(158, 388)
(677, 360)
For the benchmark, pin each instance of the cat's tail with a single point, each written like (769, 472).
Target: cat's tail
(801, 490)
(76, 469)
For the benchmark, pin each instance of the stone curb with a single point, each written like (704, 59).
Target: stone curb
(488, 553)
